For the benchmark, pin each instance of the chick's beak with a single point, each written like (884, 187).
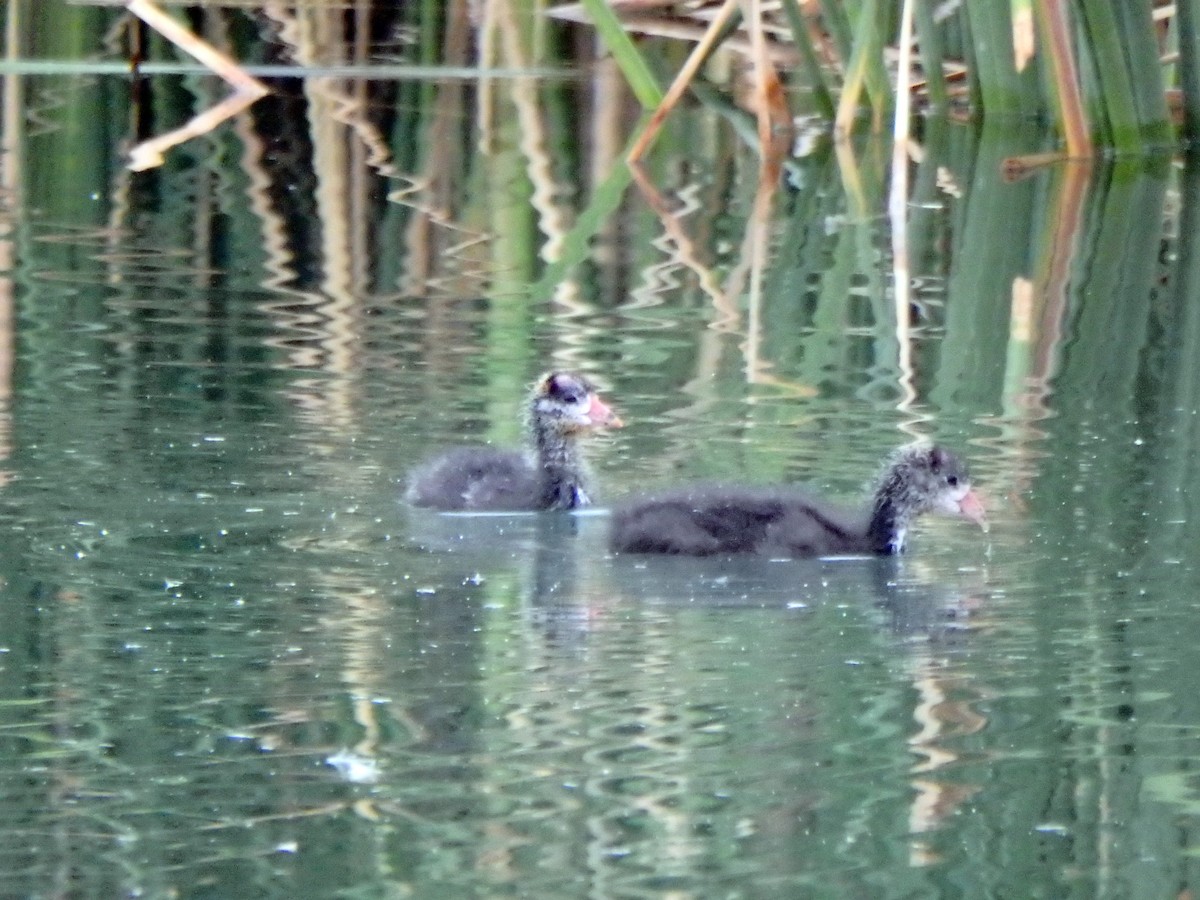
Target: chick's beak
(600, 415)
(971, 507)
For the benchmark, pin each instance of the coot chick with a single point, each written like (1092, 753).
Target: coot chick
(782, 521)
(562, 407)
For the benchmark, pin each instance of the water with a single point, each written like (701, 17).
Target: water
(233, 664)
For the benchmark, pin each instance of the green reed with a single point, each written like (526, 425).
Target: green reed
(971, 61)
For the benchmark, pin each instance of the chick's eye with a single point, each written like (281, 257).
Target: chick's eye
(952, 480)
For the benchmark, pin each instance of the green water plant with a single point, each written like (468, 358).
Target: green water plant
(1101, 71)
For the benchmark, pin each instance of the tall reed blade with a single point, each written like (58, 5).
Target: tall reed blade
(641, 80)
(867, 53)
(1187, 13)
(812, 66)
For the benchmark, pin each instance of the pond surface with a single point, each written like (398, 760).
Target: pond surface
(235, 664)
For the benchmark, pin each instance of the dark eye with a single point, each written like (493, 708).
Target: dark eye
(952, 480)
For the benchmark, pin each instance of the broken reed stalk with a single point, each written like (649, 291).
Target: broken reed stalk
(682, 80)
(246, 88)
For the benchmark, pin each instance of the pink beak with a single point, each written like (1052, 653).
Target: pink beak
(971, 507)
(600, 415)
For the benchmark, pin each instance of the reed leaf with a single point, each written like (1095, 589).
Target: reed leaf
(865, 57)
(833, 13)
(1136, 19)
(816, 76)
(576, 243)
(62, 181)
(990, 29)
(985, 262)
(1110, 329)
(637, 73)
(1118, 102)
(1187, 16)
(876, 19)
(929, 41)
(1180, 314)
(1176, 388)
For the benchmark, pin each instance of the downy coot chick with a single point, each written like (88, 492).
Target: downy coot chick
(784, 521)
(562, 408)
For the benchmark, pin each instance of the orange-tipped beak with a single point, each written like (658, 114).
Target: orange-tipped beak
(971, 507)
(600, 415)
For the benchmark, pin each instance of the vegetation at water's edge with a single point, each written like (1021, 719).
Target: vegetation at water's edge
(1114, 73)
(1108, 72)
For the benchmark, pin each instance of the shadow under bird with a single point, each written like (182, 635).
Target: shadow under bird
(552, 475)
(708, 520)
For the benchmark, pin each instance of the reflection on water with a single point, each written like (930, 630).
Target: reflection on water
(235, 663)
